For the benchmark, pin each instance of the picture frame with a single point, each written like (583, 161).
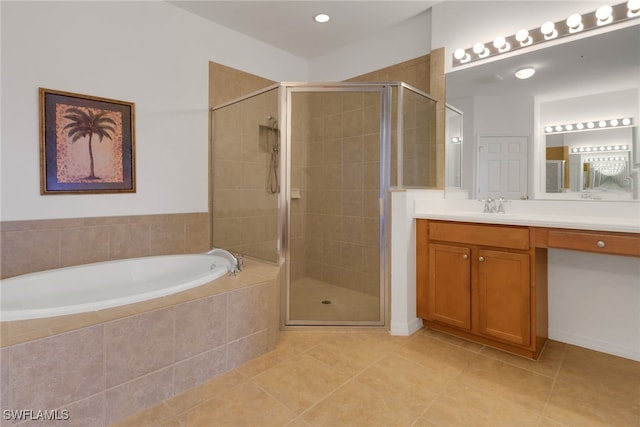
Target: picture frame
(87, 144)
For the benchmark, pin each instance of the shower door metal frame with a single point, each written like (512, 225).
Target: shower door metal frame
(287, 90)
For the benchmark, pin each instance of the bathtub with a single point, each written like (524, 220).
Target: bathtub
(97, 286)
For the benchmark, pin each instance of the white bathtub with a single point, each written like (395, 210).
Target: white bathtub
(107, 284)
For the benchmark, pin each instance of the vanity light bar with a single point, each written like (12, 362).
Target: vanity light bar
(604, 15)
(600, 149)
(591, 125)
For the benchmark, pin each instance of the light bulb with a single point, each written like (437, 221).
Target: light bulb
(614, 122)
(523, 37)
(548, 129)
(501, 44)
(626, 122)
(634, 8)
(602, 123)
(568, 127)
(558, 128)
(579, 126)
(459, 53)
(604, 14)
(590, 125)
(480, 50)
(548, 29)
(574, 22)
(624, 147)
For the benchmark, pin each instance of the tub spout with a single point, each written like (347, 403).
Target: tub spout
(235, 260)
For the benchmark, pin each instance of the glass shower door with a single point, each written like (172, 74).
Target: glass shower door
(336, 229)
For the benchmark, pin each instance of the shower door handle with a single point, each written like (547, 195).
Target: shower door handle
(381, 206)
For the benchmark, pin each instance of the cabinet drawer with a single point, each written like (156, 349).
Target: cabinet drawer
(595, 242)
(480, 234)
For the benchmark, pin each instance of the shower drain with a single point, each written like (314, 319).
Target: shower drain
(326, 301)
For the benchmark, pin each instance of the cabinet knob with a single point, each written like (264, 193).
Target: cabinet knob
(465, 256)
(601, 244)
(481, 259)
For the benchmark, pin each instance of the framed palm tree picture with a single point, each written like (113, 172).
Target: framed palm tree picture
(86, 144)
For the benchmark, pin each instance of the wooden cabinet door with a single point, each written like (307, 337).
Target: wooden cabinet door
(504, 296)
(449, 286)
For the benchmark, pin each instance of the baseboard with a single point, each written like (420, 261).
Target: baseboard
(594, 344)
(406, 328)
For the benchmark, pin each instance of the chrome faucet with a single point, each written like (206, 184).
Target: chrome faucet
(494, 206)
(236, 261)
(489, 207)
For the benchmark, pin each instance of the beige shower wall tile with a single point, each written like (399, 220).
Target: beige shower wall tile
(197, 236)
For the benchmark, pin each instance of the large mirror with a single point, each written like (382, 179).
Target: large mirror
(585, 93)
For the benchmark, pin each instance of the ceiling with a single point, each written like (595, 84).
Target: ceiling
(564, 70)
(289, 25)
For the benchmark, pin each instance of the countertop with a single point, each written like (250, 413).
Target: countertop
(620, 218)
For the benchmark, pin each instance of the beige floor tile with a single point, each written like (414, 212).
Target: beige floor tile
(298, 422)
(348, 353)
(520, 386)
(575, 405)
(548, 364)
(283, 351)
(245, 405)
(204, 392)
(303, 340)
(402, 377)
(356, 404)
(300, 382)
(451, 339)
(446, 359)
(395, 378)
(462, 405)
(614, 376)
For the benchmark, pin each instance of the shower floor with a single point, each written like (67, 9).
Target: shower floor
(307, 296)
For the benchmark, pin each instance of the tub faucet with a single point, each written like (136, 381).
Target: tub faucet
(236, 261)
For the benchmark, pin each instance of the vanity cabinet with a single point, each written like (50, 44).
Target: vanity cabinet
(483, 282)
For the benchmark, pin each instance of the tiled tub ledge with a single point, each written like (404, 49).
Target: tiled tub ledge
(103, 366)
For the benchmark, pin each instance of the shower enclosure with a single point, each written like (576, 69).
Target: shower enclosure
(301, 176)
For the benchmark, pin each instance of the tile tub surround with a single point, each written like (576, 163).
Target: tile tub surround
(110, 364)
(36, 245)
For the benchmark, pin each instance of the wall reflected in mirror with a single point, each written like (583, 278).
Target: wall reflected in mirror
(588, 79)
(453, 148)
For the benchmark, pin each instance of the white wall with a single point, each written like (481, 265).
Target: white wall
(150, 53)
(402, 42)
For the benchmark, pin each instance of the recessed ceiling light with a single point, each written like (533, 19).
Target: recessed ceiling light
(322, 18)
(525, 73)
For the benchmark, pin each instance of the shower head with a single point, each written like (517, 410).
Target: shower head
(273, 122)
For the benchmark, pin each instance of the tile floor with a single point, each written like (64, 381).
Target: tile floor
(369, 378)
(306, 304)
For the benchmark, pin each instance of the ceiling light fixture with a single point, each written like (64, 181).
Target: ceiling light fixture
(525, 73)
(321, 18)
(549, 30)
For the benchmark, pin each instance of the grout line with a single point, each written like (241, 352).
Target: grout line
(553, 384)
